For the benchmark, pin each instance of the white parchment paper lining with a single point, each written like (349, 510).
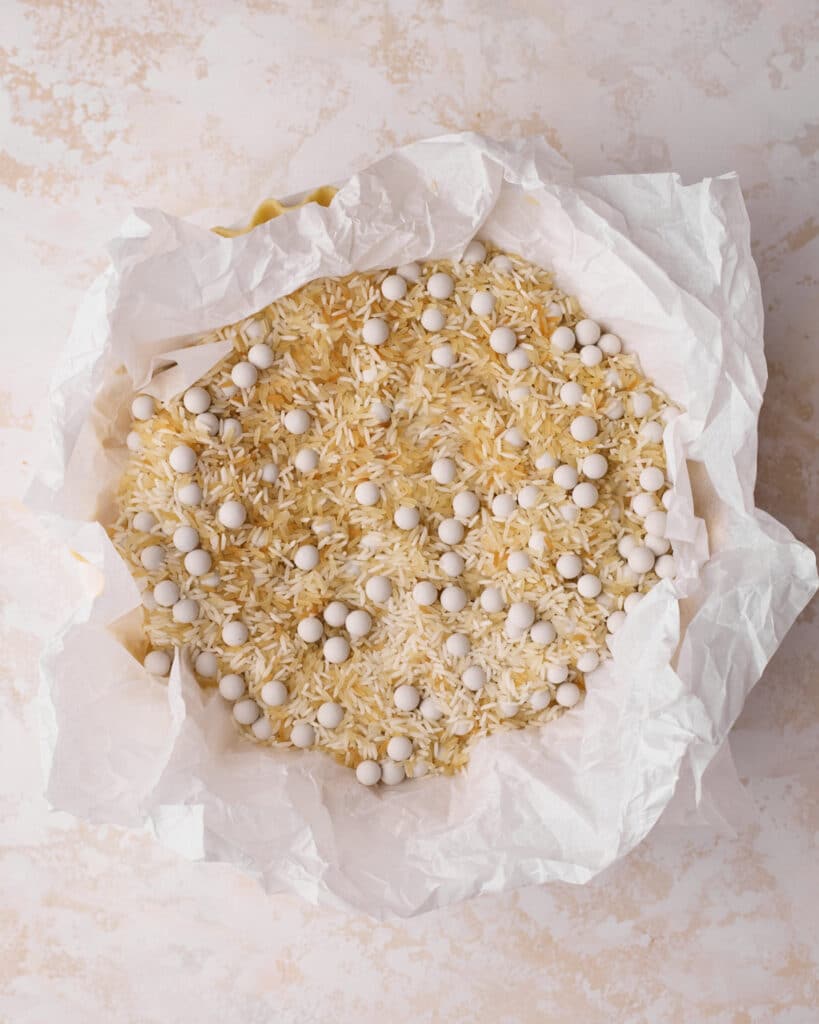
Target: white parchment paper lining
(667, 267)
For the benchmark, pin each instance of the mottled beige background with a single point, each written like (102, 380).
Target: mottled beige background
(202, 106)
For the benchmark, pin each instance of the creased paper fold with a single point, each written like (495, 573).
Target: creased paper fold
(664, 265)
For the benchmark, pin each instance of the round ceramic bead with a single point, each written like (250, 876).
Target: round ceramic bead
(380, 412)
(565, 476)
(453, 599)
(336, 650)
(502, 264)
(569, 566)
(508, 708)
(642, 504)
(528, 496)
(546, 462)
(514, 437)
(466, 504)
(310, 629)
(234, 633)
(394, 288)
(433, 319)
(640, 559)
(615, 621)
(482, 303)
(261, 356)
(666, 567)
(142, 407)
(186, 610)
(440, 286)
(152, 557)
(595, 466)
(659, 545)
(502, 340)
(652, 478)
(424, 593)
(521, 614)
(399, 748)
(640, 404)
(232, 514)
(246, 711)
(232, 686)
(542, 632)
(610, 344)
(451, 564)
(584, 495)
(306, 557)
(492, 600)
(375, 331)
(443, 471)
(667, 499)
(615, 410)
(589, 585)
(144, 522)
(185, 538)
(166, 593)
(206, 665)
(302, 735)
(297, 421)
(567, 694)
(503, 505)
(518, 359)
(158, 663)
(540, 700)
(274, 694)
(196, 400)
(631, 602)
(244, 375)
(406, 697)
(133, 442)
(518, 562)
(587, 332)
(368, 772)
(444, 356)
(409, 271)
(190, 495)
(652, 432)
(306, 460)
(358, 623)
(571, 393)
(588, 661)
(406, 517)
(430, 709)
(378, 589)
(474, 678)
(557, 674)
(330, 715)
(475, 252)
(367, 493)
(183, 459)
(537, 542)
(458, 645)
(451, 531)
(583, 428)
(262, 729)
(208, 423)
(198, 562)
(591, 355)
(563, 339)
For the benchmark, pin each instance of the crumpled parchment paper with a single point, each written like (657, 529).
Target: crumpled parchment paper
(667, 267)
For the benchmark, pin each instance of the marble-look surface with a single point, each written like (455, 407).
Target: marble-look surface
(202, 106)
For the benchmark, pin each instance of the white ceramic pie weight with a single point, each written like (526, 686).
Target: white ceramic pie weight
(665, 266)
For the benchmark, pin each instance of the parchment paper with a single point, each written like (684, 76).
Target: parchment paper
(667, 267)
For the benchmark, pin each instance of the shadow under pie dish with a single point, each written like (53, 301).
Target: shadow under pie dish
(408, 509)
